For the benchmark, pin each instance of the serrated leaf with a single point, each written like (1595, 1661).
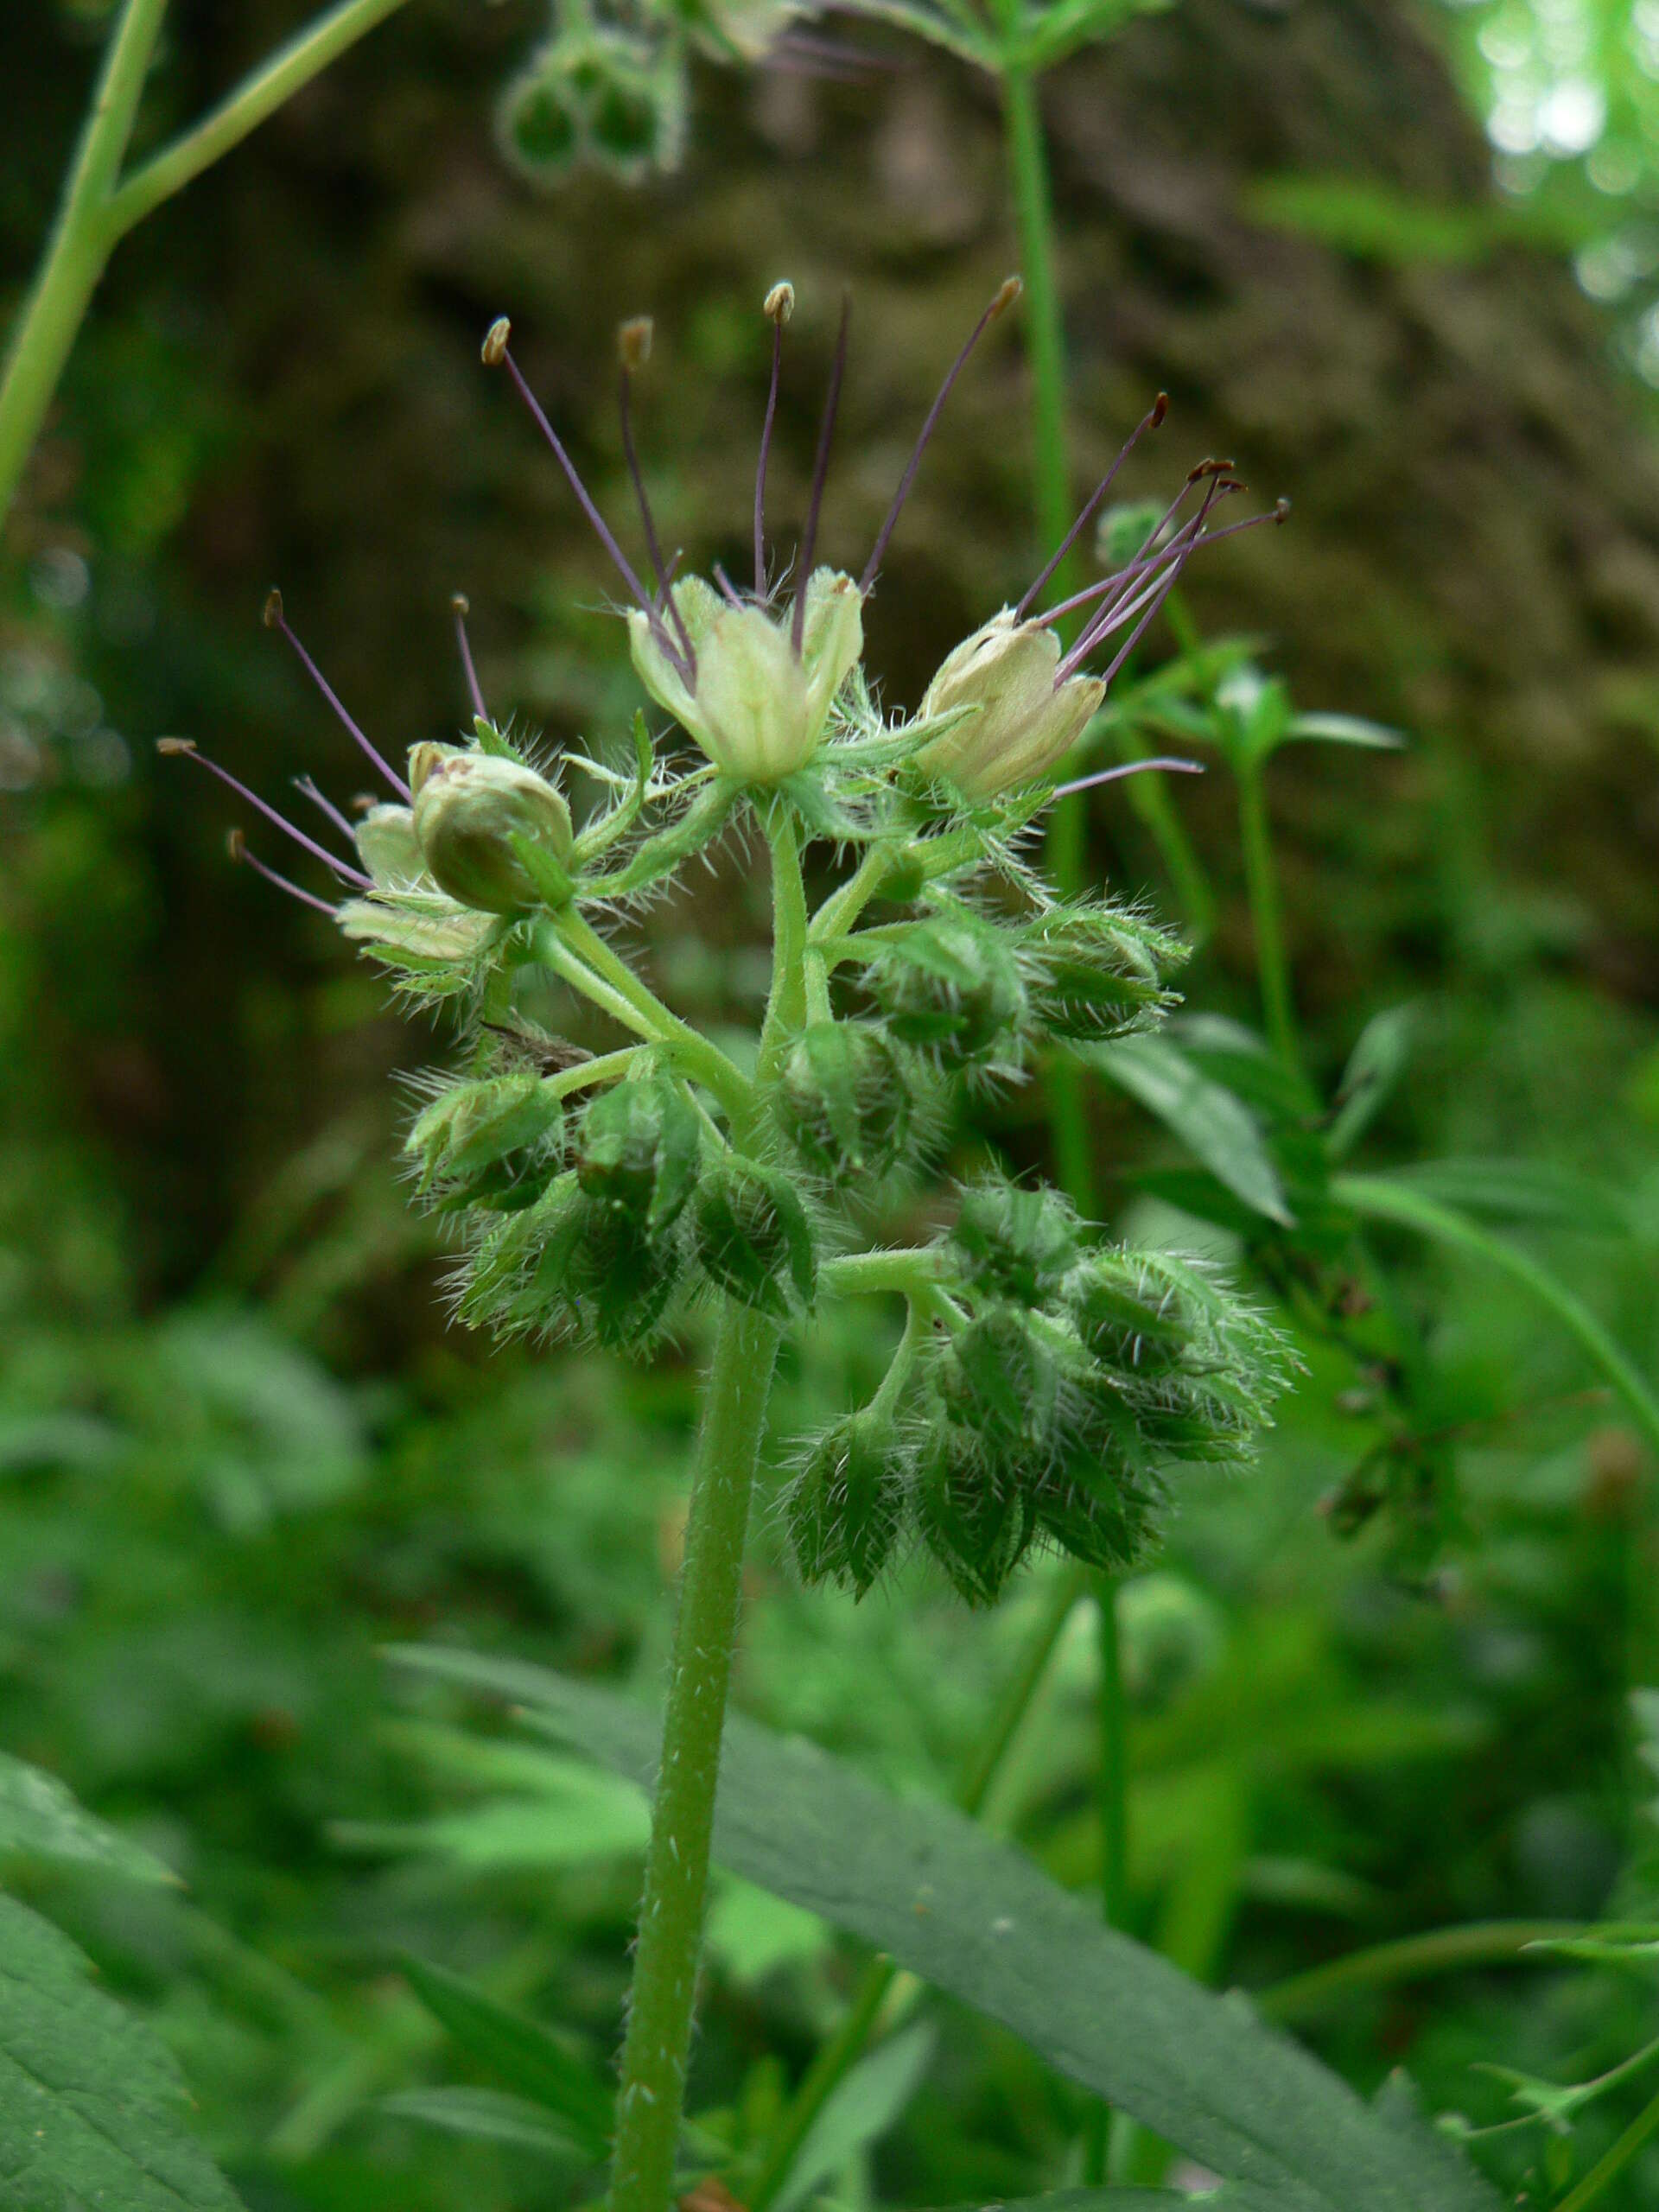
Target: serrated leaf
(979, 1921)
(489, 2116)
(1216, 1126)
(41, 1821)
(93, 2112)
(539, 2069)
(858, 2111)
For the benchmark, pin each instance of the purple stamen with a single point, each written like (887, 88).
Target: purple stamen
(237, 846)
(496, 353)
(1116, 611)
(1115, 584)
(778, 306)
(306, 788)
(1008, 292)
(1128, 768)
(275, 620)
(1153, 416)
(820, 469)
(728, 589)
(634, 343)
(185, 748)
(461, 608)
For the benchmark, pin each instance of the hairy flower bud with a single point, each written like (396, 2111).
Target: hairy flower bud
(752, 1237)
(1000, 1383)
(470, 807)
(1022, 723)
(843, 1101)
(488, 1142)
(639, 1150)
(756, 705)
(1098, 970)
(1014, 1244)
(976, 1518)
(952, 984)
(846, 1509)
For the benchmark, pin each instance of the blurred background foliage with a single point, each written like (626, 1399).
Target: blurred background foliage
(1400, 262)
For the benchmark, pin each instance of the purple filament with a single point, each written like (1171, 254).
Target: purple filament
(1153, 416)
(664, 595)
(766, 452)
(347, 874)
(328, 693)
(820, 469)
(1128, 768)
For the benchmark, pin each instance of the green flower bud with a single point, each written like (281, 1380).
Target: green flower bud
(998, 1381)
(756, 706)
(1124, 529)
(846, 1510)
(1098, 970)
(489, 1141)
(976, 1521)
(843, 1101)
(752, 1237)
(622, 1276)
(1014, 1243)
(1024, 722)
(472, 810)
(952, 984)
(388, 847)
(639, 1151)
(1100, 1513)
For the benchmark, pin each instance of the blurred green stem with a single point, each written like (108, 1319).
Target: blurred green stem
(1380, 1198)
(843, 2052)
(1612, 2163)
(1261, 881)
(1441, 1950)
(662, 1995)
(98, 209)
(1112, 1809)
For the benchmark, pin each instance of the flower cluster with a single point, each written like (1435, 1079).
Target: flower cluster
(1045, 1382)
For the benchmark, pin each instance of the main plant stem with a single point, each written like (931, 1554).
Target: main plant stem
(1262, 883)
(663, 1992)
(80, 245)
(99, 206)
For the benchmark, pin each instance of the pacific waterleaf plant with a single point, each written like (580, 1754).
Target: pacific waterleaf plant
(1047, 1386)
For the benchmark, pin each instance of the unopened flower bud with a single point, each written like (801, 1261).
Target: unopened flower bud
(469, 809)
(1014, 1244)
(752, 1238)
(975, 1519)
(1000, 1383)
(756, 706)
(846, 1510)
(1022, 721)
(639, 1150)
(1124, 529)
(842, 1101)
(490, 1141)
(1098, 970)
(952, 985)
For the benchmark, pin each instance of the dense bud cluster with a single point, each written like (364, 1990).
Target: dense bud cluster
(1045, 1383)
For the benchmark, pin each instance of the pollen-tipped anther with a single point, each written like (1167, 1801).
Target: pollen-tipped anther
(271, 615)
(633, 343)
(779, 303)
(185, 748)
(493, 351)
(1007, 293)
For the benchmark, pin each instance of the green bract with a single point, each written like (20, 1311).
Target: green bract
(848, 1507)
(756, 705)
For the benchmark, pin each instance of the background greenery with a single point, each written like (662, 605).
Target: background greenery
(239, 1450)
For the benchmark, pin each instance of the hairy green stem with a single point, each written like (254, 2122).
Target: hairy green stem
(662, 1995)
(786, 1004)
(910, 1271)
(837, 2058)
(704, 1060)
(1441, 1950)
(1262, 884)
(1379, 1199)
(97, 211)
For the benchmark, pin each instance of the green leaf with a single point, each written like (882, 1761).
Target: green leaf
(1375, 1065)
(1516, 1192)
(1231, 2197)
(1344, 729)
(859, 2110)
(523, 2053)
(41, 1821)
(980, 1922)
(93, 2112)
(1214, 1125)
(489, 2116)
